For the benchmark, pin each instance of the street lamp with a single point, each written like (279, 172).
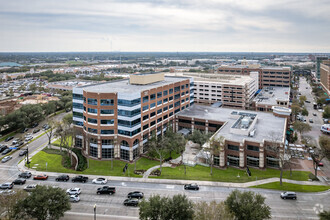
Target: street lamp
(27, 156)
(95, 212)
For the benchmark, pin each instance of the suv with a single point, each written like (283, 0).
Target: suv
(136, 194)
(106, 190)
(23, 152)
(25, 175)
(82, 179)
(288, 195)
(62, 178)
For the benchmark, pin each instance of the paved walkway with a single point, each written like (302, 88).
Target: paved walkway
(148, 172)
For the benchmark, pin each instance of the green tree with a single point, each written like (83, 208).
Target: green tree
(324, 142)
(45, 202)
(199, 137)
(165, 208)
(247, 205)
(326, 113)
(8, 201)
(301, 127)
(302, 98)
(304, 112)
(213, 148)
(212, 211)
(325, 215)
(33, 87)
(295, 108)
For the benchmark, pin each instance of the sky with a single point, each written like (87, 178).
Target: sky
(165, 25)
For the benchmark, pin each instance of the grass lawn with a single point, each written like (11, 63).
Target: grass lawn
(292, 187)
(228, 175)
(54, 164)
(58, 141)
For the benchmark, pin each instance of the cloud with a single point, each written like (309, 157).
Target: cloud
(159, 25)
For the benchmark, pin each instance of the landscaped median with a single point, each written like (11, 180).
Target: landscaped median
(292, 187)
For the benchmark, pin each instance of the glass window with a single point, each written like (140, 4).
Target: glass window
(159, 94)
(177, 89)
(159, 119)
(152, 105)
(159, 111)
(135, 153)
(159, 102)
(165, 92)
(77, 114)
(170, 91)
(77, 96)
(145, 99)
(252, 161)
(107, 121)
(78, 142)
(92, 120)
(171, 113)
(77, 105)
(177, 96)
(233, 160)
(107, 141)
(107, 101)
(92, 110)
(129, 124)
(272, 161)
(152, 96)
(145, 117)
(253, 148)
(92, 101)
(182, 87)
(92, 130)
(233, 147)
(152, 114)
(216, 161)
(170, 98)
(129, 103)
(165, 100)
(93, 151)
(107, 153)
(170, 106)
(78, 123)
(152, 123)
(165, 108)
(177, 104)
(107, 111)
(146, 107)
(165, 116)
(127, 113)
(145, 126)
(124, 154)
(129, 133)
(107, 132)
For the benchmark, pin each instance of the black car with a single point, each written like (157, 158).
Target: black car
(19, 144)
(34, 125)
(25, 175)
(62, 178)
(288, 195)
(136, 194)
(192, 186)
(106, 190)
(8, 150)
(24, 130)
(131, 202)
(36, 130)
(3, 147)
(82, 179)
(19, 181)
(9, 138)
(23, 152)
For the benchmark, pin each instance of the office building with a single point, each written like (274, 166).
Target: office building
(271, 96)
(325, 75)
(115, 119)
(319, 60)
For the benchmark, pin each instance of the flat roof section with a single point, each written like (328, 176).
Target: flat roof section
(270, 95)
(265, 125)
(123, 86)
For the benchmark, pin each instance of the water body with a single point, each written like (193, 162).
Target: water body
(9, 64)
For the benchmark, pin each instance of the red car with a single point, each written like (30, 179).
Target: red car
(40, 177)
(320, 164)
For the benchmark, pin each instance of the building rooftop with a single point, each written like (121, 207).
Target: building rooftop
(123, 86)
(270, 95)
(240, 124)
(216, 78)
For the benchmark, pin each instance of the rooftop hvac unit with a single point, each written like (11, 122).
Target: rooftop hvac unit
(252, 133)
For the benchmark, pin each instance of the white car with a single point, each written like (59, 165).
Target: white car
(73, 191)
(74, 198)
(100, 180)
(28, 138)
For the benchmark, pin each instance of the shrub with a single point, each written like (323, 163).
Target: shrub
(82, 161)
(313, 177)
(66, 161)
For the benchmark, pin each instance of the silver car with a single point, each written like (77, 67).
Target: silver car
(5, 159)
(74, 198)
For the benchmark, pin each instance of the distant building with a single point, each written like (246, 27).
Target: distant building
(268, 76)
(325, 75)
(319, 60)
(234, 91)
(115, 119)
(247, 135)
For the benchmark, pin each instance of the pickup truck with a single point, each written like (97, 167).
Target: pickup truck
(82, 179)
(106, 190)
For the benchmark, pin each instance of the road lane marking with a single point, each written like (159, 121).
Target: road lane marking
(193, 197)
(169, 187)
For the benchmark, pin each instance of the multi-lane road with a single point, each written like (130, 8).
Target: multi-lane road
(111, 206)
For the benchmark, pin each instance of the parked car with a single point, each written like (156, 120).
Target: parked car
(82, 179)
(311, 120)
(7, 192)
(19, 144)
(40, 177)
(74, 198)
(5, 159)
(45, 126)
(307, 101)
(2, 148)
(100, 180)
(62, 178)
(314, 114)
(19, 181)
(131, 202)
(24, 130)
(192, 186)
(23, 152)
(34, 125)
(6, 186)
(36, 130)
(28, 138)
(320, 164)
(25, 175)
(106, 190)
(17, 140)
(8, 150)
(73, 191)
(288, 195)
(9, 138)
(135, 194)
(30, 188)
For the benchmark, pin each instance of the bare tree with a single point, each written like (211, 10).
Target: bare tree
(158, 145)
(277, 149)
(318, 154)
(213, 147)
(8, 200)
(50, 131)
(212, 211)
